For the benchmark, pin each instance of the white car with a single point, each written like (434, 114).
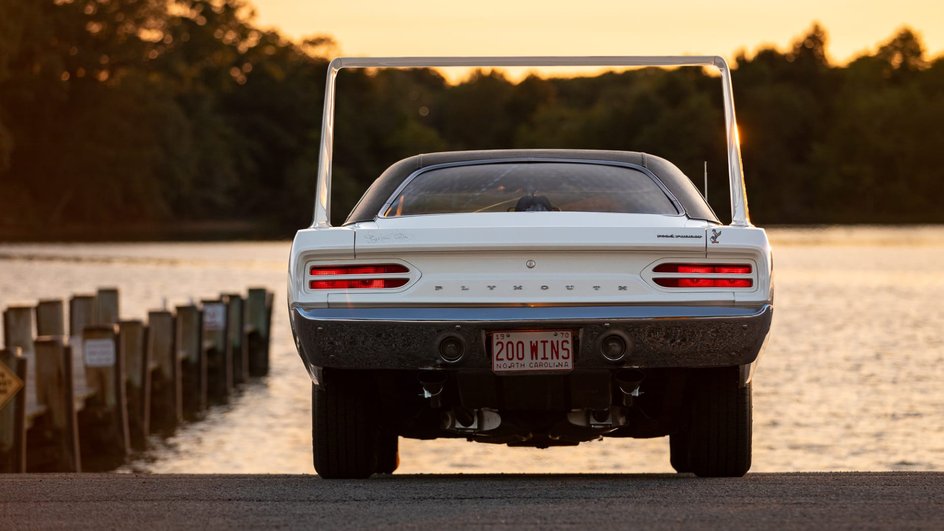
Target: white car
(531, 298)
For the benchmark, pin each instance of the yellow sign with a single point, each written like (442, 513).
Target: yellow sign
(10, 384)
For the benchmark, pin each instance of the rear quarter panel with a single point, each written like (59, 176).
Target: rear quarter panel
(727, 242)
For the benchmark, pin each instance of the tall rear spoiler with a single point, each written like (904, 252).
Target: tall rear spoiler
(739, 212)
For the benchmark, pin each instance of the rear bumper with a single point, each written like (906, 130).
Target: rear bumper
(409, 338)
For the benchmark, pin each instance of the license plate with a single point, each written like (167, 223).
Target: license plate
(546, 351)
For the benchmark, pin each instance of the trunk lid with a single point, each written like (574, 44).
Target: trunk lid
(528, 258)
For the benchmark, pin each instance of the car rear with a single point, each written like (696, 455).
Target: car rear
(526, 323)
(550, 268)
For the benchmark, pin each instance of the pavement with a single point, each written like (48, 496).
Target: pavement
(783, 501)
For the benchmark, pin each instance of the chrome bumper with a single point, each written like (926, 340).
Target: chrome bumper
(408, 338)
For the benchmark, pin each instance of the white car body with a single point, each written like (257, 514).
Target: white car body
(572, 249)
(462, 277)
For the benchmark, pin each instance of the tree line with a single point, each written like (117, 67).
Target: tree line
(169, 113)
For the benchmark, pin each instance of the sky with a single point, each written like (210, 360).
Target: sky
(599, 27)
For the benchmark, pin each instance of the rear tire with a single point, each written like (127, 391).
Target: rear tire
(719, 436)
(680, 451)
(343, 428)
(388, 452)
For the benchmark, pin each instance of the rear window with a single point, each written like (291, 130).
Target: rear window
(531, 187)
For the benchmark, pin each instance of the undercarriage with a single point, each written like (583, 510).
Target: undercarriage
(527, 410)
(358, 416)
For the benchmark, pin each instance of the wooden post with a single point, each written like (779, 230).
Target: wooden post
(18, 333)
(12, 411)
(50, 318)
(165, 376)
(192, 362)
(81, 315)
(103, 423)
(258, 320)
(132, 342)
(238, 349)
(18, 328)
(106, 306)
(219, 370)
(54, 390)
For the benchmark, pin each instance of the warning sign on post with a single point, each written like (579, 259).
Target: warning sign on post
(214, 317)
(10, 384)
(99, 352)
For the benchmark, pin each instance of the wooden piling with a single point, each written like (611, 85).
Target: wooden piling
(219, 370)
(81, 314)
(50, 318)
(237, 347)
(18, 334)
(258, 321)
(18, 327)
(58, 426)
(193, 373)
(103, 422)
(166, 413)
(132, 347)
(12, 411)
(106, 306)
(90, 396)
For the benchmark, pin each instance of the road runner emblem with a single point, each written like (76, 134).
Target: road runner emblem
(715, 234)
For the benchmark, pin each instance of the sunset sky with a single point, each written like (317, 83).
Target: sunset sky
(598, 27)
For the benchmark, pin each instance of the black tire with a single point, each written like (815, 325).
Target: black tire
(344, 432)
(719, 437)
(680, 451)
(388, 452)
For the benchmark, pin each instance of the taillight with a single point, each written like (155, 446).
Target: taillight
(704, 282)
(704, 275)
(371, 276)
(381, 269)
(727, 269)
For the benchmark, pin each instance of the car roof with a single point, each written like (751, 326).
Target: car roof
(674, 180)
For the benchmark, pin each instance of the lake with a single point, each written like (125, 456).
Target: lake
(852, 378)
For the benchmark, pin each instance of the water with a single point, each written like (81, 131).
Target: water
(851, 379)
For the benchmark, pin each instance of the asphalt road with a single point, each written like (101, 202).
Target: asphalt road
(835, 500)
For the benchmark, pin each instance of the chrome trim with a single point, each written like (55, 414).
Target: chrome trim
(679, 209)
(519, 313)
(322, 210)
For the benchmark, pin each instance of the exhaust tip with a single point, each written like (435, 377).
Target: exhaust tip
(615, 346)
(451, 349)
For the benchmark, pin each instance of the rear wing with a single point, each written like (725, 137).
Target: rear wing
(739, 212)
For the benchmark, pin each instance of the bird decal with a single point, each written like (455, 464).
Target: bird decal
(715, 234)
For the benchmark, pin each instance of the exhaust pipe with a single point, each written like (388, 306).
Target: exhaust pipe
(628, 383)
(612, 417)
(433, 385)
(463, 420)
